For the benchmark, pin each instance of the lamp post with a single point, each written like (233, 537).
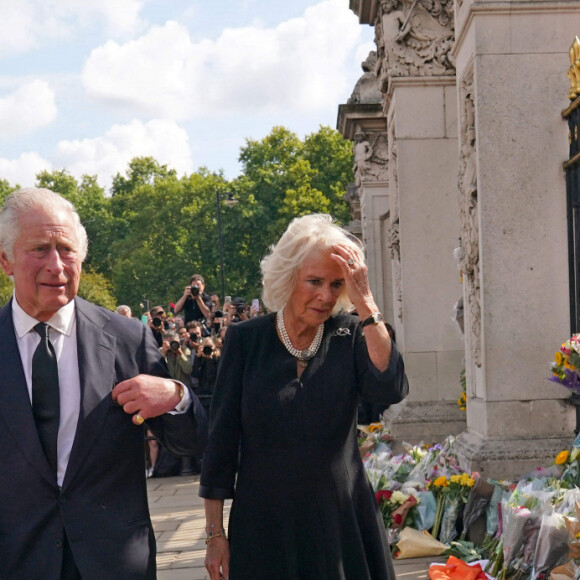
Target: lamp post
(230, 201)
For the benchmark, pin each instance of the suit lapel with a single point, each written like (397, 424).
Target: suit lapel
(15, 407)
(96, 356)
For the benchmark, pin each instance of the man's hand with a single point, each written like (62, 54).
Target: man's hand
(147, 396)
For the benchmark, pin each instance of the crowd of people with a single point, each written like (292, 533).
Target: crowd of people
(190, 338)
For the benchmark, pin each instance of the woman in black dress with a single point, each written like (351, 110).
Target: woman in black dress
(283, 419)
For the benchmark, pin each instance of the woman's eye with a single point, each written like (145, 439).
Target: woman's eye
(337, 284)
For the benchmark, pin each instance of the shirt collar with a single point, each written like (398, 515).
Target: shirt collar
(62, 321)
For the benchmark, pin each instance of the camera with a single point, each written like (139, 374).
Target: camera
(207, 350)
(240, 308)
(157, 322)
(218, 314)
(193, 336)
(194, 290)
(174, 345)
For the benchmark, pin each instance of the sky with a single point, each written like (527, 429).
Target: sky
(86, 85)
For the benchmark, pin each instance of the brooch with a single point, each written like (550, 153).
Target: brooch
(342, 331)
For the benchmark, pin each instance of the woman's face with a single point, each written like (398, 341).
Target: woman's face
(319, 283)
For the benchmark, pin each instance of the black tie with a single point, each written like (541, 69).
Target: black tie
(45, 395)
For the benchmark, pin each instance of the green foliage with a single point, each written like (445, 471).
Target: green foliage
(97, 289)
(5, 189)
(155, 229)
(6, 288)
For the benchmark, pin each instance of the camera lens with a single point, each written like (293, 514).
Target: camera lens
(174, 345)
(194, 337)
(156, 321)
(207, 350)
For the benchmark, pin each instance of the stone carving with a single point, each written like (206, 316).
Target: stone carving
(414, 39)
(468, 206)
(393, 240)
(367, 89)
(370, 158)
(352, 197)
(394, 245)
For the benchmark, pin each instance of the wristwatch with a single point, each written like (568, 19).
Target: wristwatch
(374, 318)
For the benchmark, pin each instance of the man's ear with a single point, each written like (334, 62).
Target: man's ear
(6, 264)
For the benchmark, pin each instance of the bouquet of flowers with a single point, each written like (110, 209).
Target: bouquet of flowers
(566, 365)
(371, 436)
(395, 507)
(451, 494)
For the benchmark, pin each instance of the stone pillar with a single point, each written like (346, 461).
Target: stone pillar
(416, 79)
(512, 59)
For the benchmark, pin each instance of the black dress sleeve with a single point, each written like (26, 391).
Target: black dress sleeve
(220, 463)
(382, 388)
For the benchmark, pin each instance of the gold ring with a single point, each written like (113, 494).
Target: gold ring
(138, 419)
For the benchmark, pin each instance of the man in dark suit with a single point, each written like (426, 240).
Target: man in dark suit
(74, 394)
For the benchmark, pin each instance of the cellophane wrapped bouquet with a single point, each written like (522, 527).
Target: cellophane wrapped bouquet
(566, 364)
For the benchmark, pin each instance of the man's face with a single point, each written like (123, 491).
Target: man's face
(46, 266)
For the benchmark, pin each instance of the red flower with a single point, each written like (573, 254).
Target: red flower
(398, 519)
(384, 494)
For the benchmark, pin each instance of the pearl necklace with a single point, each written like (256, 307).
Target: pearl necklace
(302, 356)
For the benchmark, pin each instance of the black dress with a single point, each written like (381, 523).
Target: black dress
(303, 508)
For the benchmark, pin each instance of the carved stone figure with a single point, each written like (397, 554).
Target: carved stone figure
(367, 89)
(370, 158)
(416, 39)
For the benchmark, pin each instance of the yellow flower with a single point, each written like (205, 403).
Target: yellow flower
(562, 457)
(441, 481)
(375, 427)
(568, 365)
(559, 358)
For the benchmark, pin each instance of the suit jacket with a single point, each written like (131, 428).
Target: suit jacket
(103, 501)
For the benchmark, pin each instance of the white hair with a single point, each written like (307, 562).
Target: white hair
(302, 236)
(124, 310)
(32, 199)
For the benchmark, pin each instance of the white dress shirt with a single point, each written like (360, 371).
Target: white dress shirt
(62, 334)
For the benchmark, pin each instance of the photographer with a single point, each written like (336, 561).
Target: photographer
(235, 311)
(205, 370)
(156, 323)
(195, 303)
(180, 365)
(178, 357)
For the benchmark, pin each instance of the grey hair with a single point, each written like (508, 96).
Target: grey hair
(302, 236)
(123, 309)
(35, 199)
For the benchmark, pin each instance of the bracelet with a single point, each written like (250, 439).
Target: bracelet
(212, 535)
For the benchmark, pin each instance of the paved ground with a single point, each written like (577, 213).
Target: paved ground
(178, 519)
